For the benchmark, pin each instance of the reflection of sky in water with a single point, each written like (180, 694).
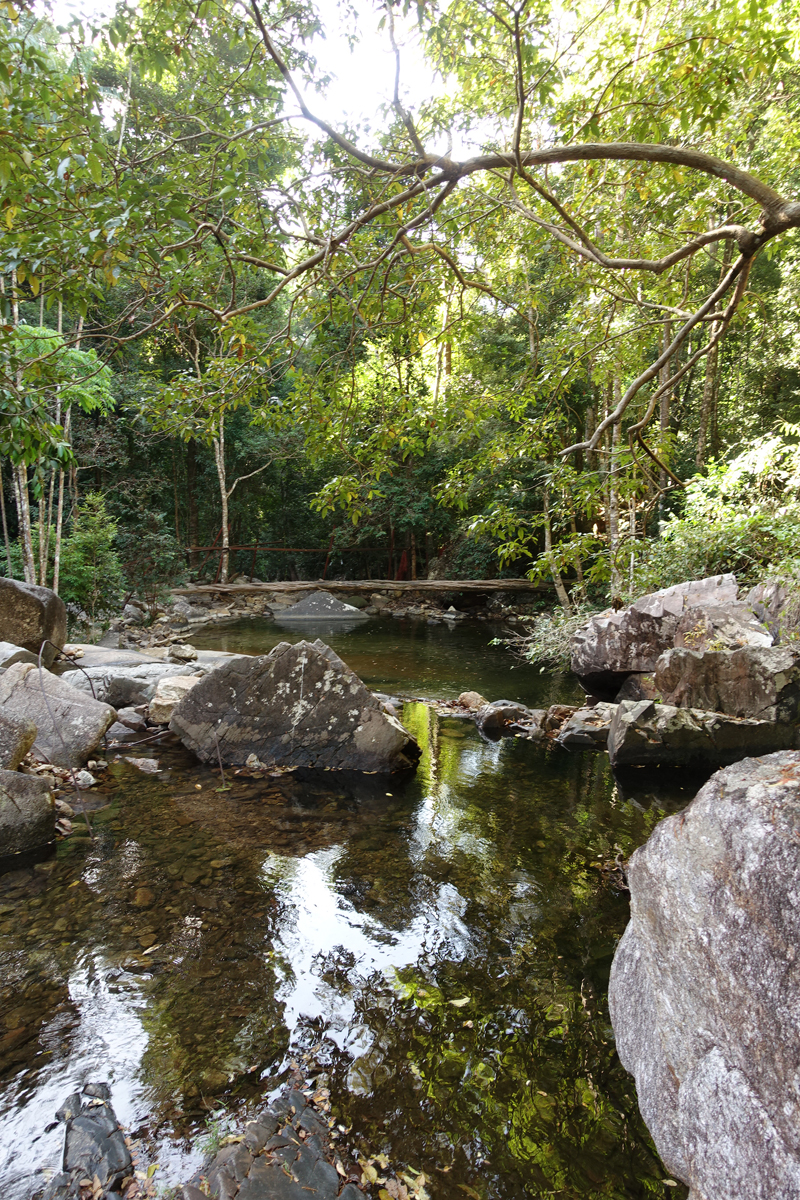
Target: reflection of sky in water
(320, 923)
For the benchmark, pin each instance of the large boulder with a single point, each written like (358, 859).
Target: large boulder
(761, 682)
(297, 706)
(69, 723)
(705, 980)
(613, 644)
(29, 614)
(322, 606)
(17, 735)
(27, 814)
(10, 654)
(645, 732)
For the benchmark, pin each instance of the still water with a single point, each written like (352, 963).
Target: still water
(438, 951)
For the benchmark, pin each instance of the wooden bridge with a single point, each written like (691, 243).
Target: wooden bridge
(353, 587)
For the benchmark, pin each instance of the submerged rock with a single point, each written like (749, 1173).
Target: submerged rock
(704, 985)
(760, 682)
(613, 644)
(645, 732)
(94, 1148)
(27, 813)
(29, 614)
(298, 706)
(69, 723)
(321, 605)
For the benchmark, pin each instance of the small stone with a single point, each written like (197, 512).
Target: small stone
(144, 897)
(146, 940)
(84, 780)
(472, 700)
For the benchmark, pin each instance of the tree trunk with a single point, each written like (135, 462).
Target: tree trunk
(191, 500)
(413, 555)
(710, 382)
(24, 517)
(561, 591)
(5, 526)
(665, 405)
(613, 496)
(219, 459)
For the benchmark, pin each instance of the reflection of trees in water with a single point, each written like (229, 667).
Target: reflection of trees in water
(489, 1063)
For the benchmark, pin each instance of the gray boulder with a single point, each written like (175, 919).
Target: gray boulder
(588, 728)
(645, 732)
(127, 684)
(27, 814)
(321, 605)
(17, 735)
(760, 682)
(297, 706)
(10, 654)
(613, 644)
(29, 614)
(704, 984)
(73, 725)
(776, 606)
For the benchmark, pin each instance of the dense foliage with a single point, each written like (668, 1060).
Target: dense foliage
(230, 324)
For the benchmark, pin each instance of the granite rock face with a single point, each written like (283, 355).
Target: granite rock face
(645, 732)
(773, 604)
(27, 813)
(298, 706)
(29, 614)
(17, 735)
(705, 981)
(760, 682)
(66, 736)
(612, 645)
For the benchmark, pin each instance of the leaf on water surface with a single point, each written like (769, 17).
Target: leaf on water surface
(460, 1003)
(470, 1191)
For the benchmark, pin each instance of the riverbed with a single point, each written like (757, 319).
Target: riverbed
(435, 951)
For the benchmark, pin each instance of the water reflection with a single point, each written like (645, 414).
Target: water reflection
(439, 947)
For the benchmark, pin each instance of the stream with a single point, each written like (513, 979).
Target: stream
(436, 952)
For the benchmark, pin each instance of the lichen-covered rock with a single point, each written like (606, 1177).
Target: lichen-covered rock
(30, 614)
(297, 706)
(17, 735)
(27, 814)
(705, 981)
(613, 644)
(761, 682)
(645, 732)
(721, 627)
(69, 723)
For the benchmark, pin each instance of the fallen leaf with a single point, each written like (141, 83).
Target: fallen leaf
(460, 1003)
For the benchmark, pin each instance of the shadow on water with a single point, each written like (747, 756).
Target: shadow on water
(439, 947)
